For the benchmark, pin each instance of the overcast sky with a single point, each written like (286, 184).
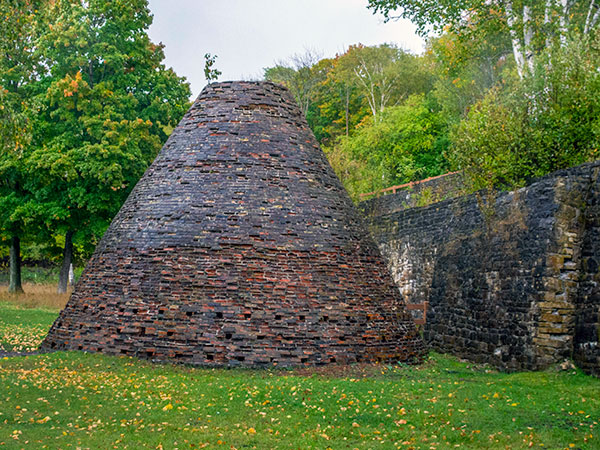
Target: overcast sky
(249, 35)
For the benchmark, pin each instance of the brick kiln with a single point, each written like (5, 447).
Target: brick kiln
(239, 246)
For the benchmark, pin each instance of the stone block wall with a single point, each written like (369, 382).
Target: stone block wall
(587, 320)
(511, 280)
(419, 193)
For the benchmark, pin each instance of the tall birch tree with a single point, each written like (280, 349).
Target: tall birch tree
(533, 25)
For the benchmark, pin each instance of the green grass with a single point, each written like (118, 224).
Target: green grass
(75, 400)
(37, 275)
(22, 330)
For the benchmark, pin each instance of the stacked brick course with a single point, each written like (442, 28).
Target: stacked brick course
(239, 246)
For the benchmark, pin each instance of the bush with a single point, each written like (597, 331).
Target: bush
(528, 128)
(405, 143)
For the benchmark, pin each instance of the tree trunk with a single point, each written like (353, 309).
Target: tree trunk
(591, 20)
(63, 278)
(528, 38)
(347, 111)
(514, 37)
(15, 286)
(563, 20)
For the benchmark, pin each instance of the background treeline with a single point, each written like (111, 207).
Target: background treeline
(85, 105)
(506, 91)
(373, 112)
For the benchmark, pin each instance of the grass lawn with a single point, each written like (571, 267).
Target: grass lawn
(76, 400)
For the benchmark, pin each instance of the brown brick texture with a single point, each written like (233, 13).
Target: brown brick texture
(239, 246)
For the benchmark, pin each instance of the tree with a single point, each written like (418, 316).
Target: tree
(107, 104)
(210, 72)
(338, 105)
(11, 175)
(466, 68)
(525, 129)
(360, 108)
(385, 75)
(406, 143)
(531, 25)
(299, 75)
(18, 71)
(336, 94)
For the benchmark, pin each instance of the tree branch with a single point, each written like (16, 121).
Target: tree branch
(371, 96)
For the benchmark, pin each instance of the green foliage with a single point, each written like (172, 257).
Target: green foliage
(384, 74)
(466, 67)
(85, 104)
(336, 108)
(337, 105)
(354, 98)
(210, 72)
(406, 143)
(426, 14)
(336, 94)
(302, 75)
(18, 66)
(487, 143)
(425, 197)
(106, 105)
(38, 275)
(13, 122)
(73, 399)
(529, 128)
(531, 27)
(484, 16)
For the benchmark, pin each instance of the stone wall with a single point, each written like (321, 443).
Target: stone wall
(418, 193)
(587, 325)
(514, 284)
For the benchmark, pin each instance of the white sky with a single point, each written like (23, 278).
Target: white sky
(249, 35)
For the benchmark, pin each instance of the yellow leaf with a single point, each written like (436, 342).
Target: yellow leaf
(168, 407)
(251, 431)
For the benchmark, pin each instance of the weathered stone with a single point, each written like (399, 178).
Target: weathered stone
(521, 277)
(239, 246)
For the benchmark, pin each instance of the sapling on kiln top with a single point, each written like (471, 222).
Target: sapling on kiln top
(239, 246)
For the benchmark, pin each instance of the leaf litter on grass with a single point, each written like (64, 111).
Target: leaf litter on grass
(72, 399)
